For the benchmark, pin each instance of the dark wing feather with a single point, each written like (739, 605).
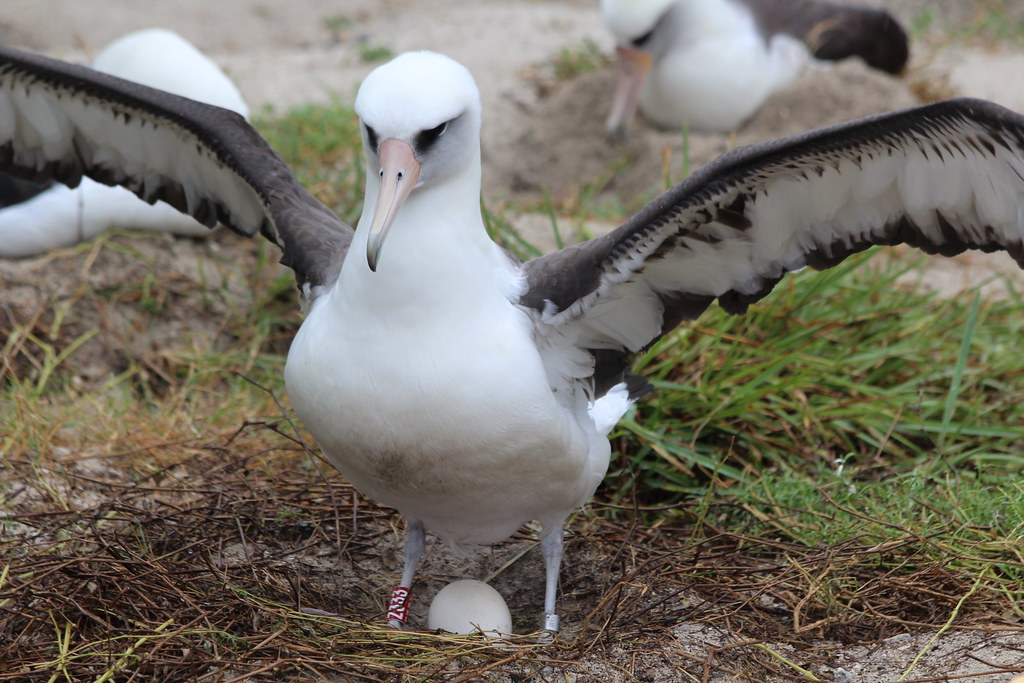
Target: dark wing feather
(15, 190)
(944, 178)
(835, 32)
(60, 121)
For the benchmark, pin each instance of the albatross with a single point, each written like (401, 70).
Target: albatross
(465, 388)
(36, 218)
(713, 63)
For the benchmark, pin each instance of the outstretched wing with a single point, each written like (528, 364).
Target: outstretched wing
(943, 177)
(61, 121)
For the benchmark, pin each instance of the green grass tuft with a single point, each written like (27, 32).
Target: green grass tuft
(322, 144)
(572, 62)
(844, 365)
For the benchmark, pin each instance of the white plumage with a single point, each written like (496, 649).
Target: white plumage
(465, 447)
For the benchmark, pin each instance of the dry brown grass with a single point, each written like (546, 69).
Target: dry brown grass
(232, 556)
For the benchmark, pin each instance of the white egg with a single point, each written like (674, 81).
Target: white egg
(467, 606)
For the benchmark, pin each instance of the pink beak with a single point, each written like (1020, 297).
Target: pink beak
(399, 172)
(633, 67)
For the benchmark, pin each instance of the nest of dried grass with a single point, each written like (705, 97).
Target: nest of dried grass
(229, 559)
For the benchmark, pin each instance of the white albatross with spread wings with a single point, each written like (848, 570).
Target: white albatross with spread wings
(34, 220)
(447, 379)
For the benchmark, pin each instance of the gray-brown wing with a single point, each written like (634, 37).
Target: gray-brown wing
(944, 178)
(60, 121)
(835, 32)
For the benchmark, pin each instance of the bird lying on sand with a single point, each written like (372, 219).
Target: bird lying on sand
(713, 63)
(445, 378)
(35, 218)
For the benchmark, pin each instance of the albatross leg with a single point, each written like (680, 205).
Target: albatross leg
(551, 545)
(398, 605)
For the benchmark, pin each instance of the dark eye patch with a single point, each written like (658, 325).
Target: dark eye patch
(639, 42)
(426, 139)
(371, 137)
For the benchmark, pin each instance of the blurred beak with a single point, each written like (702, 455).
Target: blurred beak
(399, 172)
(633, 67)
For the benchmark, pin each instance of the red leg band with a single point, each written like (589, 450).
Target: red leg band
(398, 606)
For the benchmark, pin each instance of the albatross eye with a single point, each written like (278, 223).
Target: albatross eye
(427, 138)
(639, 42)
(371, 137)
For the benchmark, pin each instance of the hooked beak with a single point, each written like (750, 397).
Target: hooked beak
(633, 67)
(399, 172)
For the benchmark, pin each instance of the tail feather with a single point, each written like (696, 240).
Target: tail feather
(609, 409)
(835, 32)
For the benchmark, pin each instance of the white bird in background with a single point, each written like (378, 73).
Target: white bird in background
(713, 63)
(444, 377)
(35, 219)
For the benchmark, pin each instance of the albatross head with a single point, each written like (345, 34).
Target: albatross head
(640, 31)
(420, 116)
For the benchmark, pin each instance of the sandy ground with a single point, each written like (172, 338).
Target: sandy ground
(540, 135)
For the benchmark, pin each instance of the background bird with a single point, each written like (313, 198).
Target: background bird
(38, 217)
(712, 63)
(442, 376)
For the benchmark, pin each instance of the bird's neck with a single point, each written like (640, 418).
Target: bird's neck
(436, 255)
